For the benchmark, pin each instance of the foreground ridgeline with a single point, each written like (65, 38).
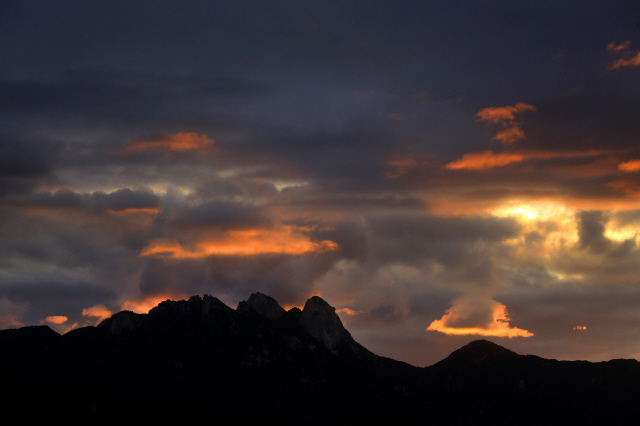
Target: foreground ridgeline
(199, 357)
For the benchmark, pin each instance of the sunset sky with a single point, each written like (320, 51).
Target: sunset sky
(439, 172)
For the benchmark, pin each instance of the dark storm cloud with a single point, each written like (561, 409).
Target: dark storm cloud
(583, 121)
(168, 276)
(591, 227)
(36, 241)
(53, 295)
(335, 45)
(287, 278)
(119, 95)
(23, 165)
(627, 217)
(97, 202)
(429, 228)
(430, 304)
(222, 214)
(383, 315)
(377, 241)
(121, 199)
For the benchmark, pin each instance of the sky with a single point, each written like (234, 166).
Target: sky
(439, 172)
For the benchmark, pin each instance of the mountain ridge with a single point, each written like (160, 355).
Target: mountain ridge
(264, 362)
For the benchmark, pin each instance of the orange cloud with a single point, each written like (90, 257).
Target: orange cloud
(505, 117)
(629, 187)
(621, 63)
(499, 115)
(169, 144)
(484, 160)
(618, 47)
(283, 240)
(143, 306)
(490, 159)
(348, 311)
(97, 311)
(403, 164)
(10, 321)
(580, 327)
(509, 135)
(71, 327)
(622, 49)
(55, 319)
(465, 317)
(630, 166)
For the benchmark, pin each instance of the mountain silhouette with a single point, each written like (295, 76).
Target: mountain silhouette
(261, 363)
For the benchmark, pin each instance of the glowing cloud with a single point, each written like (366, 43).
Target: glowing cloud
(630, 166)
(55, 319)
(490, 159)
(483, 318)
(348, 311)
(97, 311)
(499, 115)
(509, 135)
(505, 117)
(623, 49)
(621, 63)
(618, 47)
(10, 321)
(485, 160)
(169, 144)
(283, 240)
(143, 306)
(403, 164)
(71, 327)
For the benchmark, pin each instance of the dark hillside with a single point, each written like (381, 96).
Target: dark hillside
(262, 363)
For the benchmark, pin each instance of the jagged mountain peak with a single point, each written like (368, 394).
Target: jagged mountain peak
(320, 320)
(262, 304)
(204, 306)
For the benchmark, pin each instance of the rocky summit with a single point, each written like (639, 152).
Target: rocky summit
(261, 363)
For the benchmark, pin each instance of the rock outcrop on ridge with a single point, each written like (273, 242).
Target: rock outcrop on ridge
(320, 320)
(263, 305)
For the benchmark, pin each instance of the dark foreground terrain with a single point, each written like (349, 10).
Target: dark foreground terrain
(200, 359)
